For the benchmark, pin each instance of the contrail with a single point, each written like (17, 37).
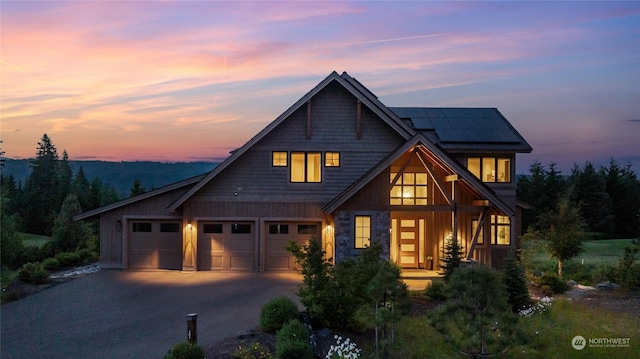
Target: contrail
(371, 42)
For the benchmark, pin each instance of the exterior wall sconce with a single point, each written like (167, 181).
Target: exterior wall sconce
(119, 225)
(329, 230)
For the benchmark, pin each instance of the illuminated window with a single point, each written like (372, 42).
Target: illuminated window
(332, 159)
(362, 231)
(500, 230)
(474, 228)
(305, 167)
(490, 169)
(409, 190)
(278, 229)
(279, 159)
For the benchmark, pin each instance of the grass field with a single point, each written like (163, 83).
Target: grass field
(585, 268)
(33, 240)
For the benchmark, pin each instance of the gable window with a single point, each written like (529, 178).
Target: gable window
(279, 159)
(362, 231)
(500, 230)
(332, 159)
(305, 167)
(490, 169)
(474, 228)
(409, 190)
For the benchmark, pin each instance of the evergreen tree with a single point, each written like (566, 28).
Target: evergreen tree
(10, 242)
(588, 189)
(541, 189)
(476, 317)
(137, 188)
(68, 234)
(451, 257)
(82, 188)
(516, 284)
(42, 190)
(65, 170)
(623, 188)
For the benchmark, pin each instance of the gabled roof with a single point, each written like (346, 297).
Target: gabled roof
(445, 161)
(138, 198)
(465, 128)
(349, 83)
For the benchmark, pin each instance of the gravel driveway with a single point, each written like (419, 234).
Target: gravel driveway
(136, 314)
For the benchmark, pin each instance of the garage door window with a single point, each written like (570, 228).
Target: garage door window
(278, 229)
(212, 228)
(142, 226)
(307, 229)
(240, 228)
(170, 227)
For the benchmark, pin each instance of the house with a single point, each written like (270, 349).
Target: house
(340, 167)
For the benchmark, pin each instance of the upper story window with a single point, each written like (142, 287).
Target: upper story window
(490, 169)
(332, 159)
(500, 230)
(362, 232)
(306, 167)
(279, 159)
(409, 190)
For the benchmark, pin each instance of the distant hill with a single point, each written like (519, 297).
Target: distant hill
(121, 175)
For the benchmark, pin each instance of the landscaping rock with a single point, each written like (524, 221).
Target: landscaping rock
(608, 285)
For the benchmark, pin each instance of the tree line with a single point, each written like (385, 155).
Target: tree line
(607, 199)
(45, 205)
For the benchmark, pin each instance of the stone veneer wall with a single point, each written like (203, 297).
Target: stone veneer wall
(344, 246)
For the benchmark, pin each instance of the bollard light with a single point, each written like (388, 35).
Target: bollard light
(192, 328)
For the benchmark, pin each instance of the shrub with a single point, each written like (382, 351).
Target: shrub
(253, 351)
(278, 312)
(33, 273)
(436, 290)
(292, 341)
(50, 264)
(627, 270)
(557, 284)
(68, 259)
(186, 350)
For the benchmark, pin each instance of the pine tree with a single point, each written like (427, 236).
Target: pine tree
(451, 256)
(516, 284)
(42, 198)
(623, 188)
(588, 189)
(137, 188)
(68, 234)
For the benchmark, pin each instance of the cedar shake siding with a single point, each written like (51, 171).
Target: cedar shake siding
(402, 179)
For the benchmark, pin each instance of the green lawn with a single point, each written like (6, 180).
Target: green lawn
(585, 268)
(33, 240)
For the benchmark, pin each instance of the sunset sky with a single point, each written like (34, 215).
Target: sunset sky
(191, 80)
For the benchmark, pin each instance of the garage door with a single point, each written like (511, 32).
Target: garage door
(278, 236)
(226, 246)
(155, 245)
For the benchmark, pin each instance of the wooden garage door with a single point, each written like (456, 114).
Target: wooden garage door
(155, 245)
(226, 246)
(278, 235)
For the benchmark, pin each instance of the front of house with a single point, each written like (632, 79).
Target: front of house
(340, 167)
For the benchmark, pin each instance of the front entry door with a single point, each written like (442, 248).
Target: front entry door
(408, 243)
